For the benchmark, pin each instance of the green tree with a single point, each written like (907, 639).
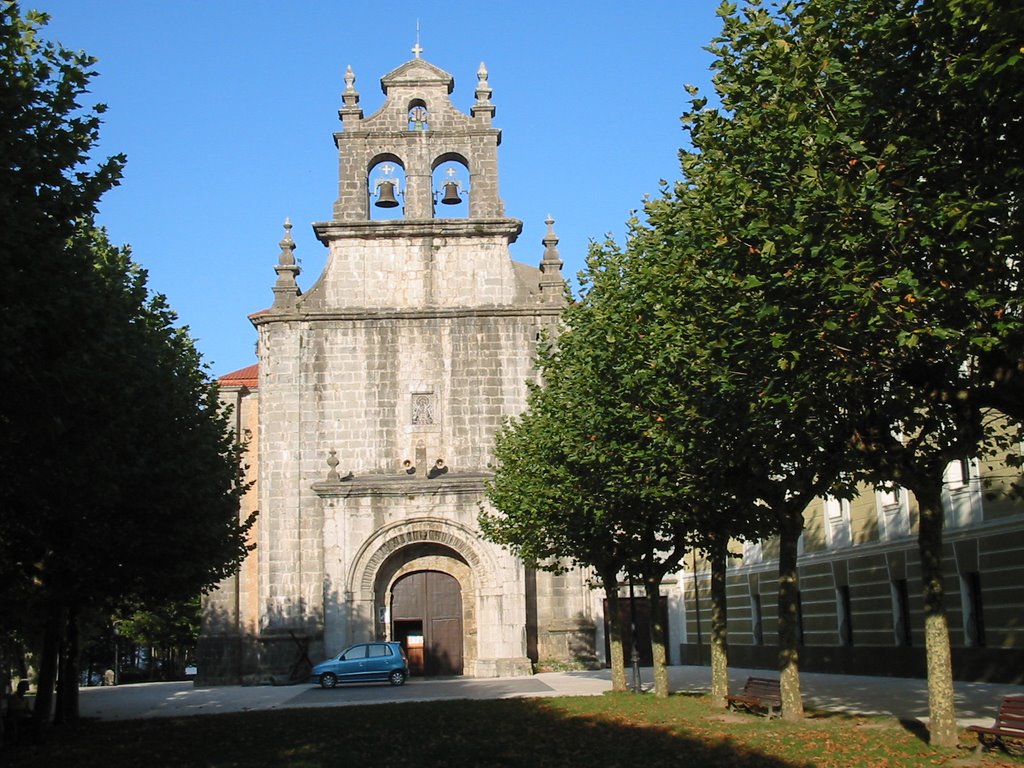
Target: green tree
(666, 372)
(938, 166)
(121, 477)
(46, 189)
(857, 197)
(735, 258)
(577, 476)
(550, 517)
(157, 520)
(168, 631)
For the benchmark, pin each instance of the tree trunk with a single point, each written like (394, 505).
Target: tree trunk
(67, 681)
(617, 660)
(942, 728)
(58, 704)
(719, 637)
(789, 621)
(53, 628)
(659, 658)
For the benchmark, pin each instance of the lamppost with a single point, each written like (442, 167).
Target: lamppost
(117, 654)
(635, 655)
(696, 611)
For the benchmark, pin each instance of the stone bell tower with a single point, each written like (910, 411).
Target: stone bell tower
(380, 391)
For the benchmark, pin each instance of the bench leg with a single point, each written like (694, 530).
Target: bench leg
(985, 741)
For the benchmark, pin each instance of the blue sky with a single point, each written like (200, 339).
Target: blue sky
(226, 111)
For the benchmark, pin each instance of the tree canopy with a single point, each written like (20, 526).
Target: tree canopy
(121, 473)
(831, 293)
(574, 481)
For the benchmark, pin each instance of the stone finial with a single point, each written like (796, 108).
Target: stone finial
(552, 260)
(287, 256)
(332, 469)
(350, 109)
(286, 290)
(483, 107)
(552, 286)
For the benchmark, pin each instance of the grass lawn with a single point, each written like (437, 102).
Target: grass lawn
(598, 732)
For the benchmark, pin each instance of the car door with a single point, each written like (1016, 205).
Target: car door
(352, 664)
(379, 662)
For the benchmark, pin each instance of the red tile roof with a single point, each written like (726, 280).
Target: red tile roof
(243, 377)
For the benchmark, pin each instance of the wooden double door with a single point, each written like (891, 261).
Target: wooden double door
(426, 612)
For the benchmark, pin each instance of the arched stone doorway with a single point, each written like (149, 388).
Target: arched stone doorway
(426, 617)
(427, 591)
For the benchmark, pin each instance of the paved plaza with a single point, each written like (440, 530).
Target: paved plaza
(904, 698)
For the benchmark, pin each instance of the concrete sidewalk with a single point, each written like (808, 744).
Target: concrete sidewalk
(904, 698)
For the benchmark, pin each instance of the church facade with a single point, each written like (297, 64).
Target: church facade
(370, 420)
(371, 413)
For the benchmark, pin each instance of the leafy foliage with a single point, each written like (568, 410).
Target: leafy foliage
(579, 478)
(830, 294)
(846, 240)
(122, 475)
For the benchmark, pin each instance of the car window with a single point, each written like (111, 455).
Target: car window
(355, 652)
(379, 650)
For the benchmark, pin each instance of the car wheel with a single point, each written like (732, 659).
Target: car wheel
(328, 680)
(397, 677)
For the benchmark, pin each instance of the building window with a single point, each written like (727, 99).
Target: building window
(893, 512)
(970, 598)
(961, 493)
(756, 619)
(844, 615)
(752, 552)
(837, 522)
(901, 612)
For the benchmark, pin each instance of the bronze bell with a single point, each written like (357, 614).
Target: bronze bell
(386, 195)
(451, 193)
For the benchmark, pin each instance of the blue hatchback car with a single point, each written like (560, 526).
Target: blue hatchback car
(363, 662)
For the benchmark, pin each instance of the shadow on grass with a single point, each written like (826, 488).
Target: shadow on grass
(511, 732)
(916, 728)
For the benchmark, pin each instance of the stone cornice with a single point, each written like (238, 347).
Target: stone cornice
(365, 133)
(462, 483)
(328, 231)
(371, 314)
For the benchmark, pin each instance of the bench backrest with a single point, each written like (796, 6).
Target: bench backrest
(1011, 713)
(762, 688)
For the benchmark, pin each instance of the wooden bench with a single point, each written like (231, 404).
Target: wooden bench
(759, 693)
(1009, 725)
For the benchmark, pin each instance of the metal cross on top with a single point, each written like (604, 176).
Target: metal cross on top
(416, 49)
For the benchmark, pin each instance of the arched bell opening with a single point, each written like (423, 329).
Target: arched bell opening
(450, 184)
(424, 598)
(386, 188)
(419, 115)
